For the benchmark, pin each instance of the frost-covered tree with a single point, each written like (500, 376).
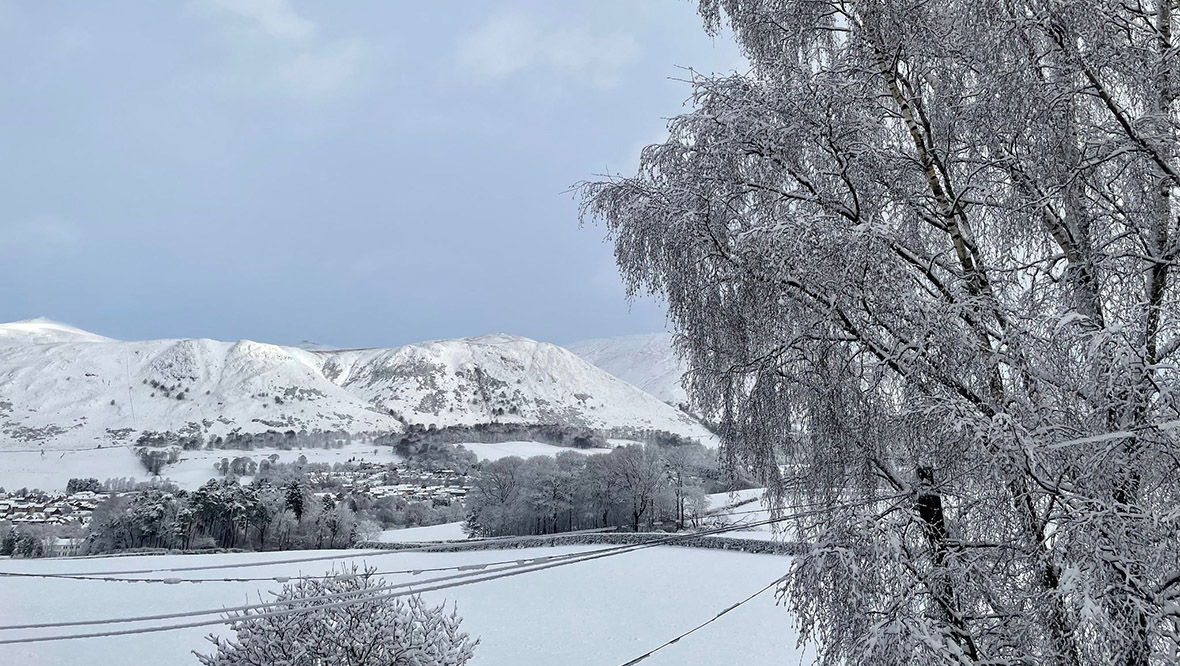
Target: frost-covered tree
(376, 631)
(920, 258)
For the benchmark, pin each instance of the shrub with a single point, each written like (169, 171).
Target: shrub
(374, 631)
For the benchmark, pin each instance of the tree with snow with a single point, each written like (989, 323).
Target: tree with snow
(374, 631)
(919, 256)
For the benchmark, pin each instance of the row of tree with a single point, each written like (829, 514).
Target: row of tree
(632, 486)
(225, 514)
(415, 435)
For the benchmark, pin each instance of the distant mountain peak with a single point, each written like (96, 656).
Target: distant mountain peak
(41, 330)
(649, 361)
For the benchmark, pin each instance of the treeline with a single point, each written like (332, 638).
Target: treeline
(546, 433)
(225, 514)
(191, 437)
(278, 512)
(633, 487)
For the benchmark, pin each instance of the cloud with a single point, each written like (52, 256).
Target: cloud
(275, 18)
(275, 50)
(325, 71)
(507, 44)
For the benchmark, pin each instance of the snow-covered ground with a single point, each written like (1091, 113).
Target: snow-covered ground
(605, 611)
(736, 508)
(444, 532)
(52, 470)
(521, 449)
(647, 361)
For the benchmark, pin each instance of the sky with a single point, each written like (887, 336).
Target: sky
(366, 173)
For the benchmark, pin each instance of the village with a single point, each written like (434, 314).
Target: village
(62, 519)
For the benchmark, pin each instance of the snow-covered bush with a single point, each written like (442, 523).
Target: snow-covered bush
(374, 631)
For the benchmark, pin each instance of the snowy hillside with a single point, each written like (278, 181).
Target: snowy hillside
(647, 361)
(63, 388)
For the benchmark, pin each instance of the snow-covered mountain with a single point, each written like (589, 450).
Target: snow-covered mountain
(61, 387)
(647, 361)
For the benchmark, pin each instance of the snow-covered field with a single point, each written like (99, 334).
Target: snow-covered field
(605, 611)
(736, 509)
(521, 449)
(51, 471)
(444, 532)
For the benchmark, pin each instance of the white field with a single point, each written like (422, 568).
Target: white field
(54, 469)
(520, 449)
(605, 611)
(444, 532)
(750, 512)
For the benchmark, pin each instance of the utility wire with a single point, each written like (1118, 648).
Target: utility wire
(605, 552)
(704, 624)
(277, 578)
(450, 582)
(117, 576)
(376, 552)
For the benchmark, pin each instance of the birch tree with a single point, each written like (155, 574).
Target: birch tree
(920, 256)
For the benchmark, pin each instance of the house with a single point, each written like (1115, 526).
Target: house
(64, 547)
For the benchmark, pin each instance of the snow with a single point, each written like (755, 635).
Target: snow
(64, 388)
(45, 331)
(52, 470)
(744, 511)
(647, 361)
(521, 449)
(605, 611)
(444, 532)
(722, 501)
(196, 467)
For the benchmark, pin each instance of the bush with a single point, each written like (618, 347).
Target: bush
(375, 631)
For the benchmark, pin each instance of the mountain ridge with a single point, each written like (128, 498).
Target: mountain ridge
(61, 387)
(648, 361)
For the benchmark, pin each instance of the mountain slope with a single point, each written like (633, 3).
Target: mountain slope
(64, 388)
(647, 361)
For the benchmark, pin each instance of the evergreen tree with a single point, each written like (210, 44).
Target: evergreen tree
(295, 497)
(8, 543)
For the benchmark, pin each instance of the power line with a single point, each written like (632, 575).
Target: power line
(406, 589)
(528, 565)
(376, 552)
(423, 586)
(276, 579)
(283, 579)
(118, 576)
(705, 623)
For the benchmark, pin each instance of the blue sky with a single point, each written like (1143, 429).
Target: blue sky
(360, 173)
